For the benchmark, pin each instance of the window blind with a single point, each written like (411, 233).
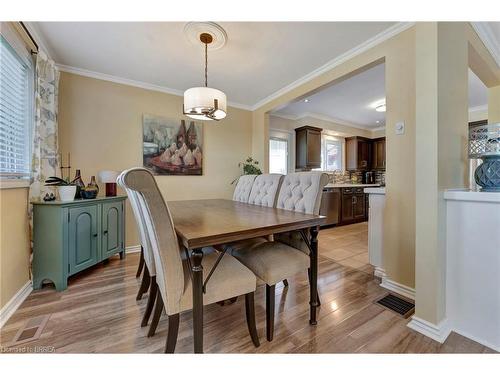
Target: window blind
(15, 113)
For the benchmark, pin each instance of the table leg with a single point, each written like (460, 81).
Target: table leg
(313, 285)
(197, 256)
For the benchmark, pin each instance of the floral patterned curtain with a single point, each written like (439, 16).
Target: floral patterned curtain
(44, 134)
(45, 146)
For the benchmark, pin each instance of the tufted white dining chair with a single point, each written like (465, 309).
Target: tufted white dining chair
(243, 188)
(149, 275)
(173, 275)
(264, 192)
(273, 261)
(265, 189)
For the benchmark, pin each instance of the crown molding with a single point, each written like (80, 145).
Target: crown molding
(365, 46)
(285, 116)
(487, 36)
(321, 117)
(318, 116)
(134, 83)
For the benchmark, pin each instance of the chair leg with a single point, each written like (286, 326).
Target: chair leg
(156, 315)
(151, 301)
(270, 311)
(317, 293)
(173, 330)
(146, 281)
(250, 313)
(141, 264)
(285, 283)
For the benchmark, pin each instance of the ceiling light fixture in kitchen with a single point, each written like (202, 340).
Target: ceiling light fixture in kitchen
(380, 108)
(205, 103)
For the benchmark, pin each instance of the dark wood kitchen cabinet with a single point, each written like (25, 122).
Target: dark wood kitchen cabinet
(354, 207)
(307, 147)
(358, 153)
(347, 206)
(378, 157)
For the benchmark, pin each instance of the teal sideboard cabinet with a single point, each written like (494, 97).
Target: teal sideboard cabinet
(69, 237)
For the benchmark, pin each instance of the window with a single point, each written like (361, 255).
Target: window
(278, 155)
(16, 110)
(332, 155)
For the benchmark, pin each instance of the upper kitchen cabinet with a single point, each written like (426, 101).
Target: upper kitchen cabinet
(307, 147)
(358, 153)
(379, 153)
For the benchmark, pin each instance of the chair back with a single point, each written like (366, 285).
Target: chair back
(243, 188)
(161, 233)
(265, 189)
(141, 225)
(302, 192)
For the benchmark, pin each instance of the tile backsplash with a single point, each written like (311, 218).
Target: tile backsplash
(347, 177)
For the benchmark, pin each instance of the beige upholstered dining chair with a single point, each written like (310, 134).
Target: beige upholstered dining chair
(265, 188)
(243, 188)
(264, 192)
(273, 261)
(173, 275)
(149, 275)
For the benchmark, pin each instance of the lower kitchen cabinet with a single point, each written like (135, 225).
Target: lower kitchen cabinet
(69, 237)
(347, 206)
(354, 207)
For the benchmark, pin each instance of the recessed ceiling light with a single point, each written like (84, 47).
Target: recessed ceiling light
(380, 108)
(306, 100)
(378, 122)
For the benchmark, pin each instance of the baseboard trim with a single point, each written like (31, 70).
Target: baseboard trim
(438, 332)
(379, 272)
(398, 288)
(14, 303)
(133, 249)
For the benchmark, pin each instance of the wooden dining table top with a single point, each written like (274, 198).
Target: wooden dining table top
(207, 222)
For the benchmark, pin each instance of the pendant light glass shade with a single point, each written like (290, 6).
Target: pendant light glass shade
(205, 103)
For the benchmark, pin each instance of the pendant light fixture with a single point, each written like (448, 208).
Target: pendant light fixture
(205, 103)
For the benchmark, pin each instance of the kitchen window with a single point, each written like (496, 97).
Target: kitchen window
(331, 154)
(278, 155)
(16, 110)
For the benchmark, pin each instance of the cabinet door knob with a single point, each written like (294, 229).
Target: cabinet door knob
(105, 232)
(95, 235)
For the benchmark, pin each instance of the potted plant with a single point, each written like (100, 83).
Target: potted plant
(250, 166)
(65, 188)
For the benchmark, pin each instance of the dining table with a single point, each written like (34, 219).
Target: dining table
(212, 222)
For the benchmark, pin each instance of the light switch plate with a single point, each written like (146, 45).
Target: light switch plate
(399, 128)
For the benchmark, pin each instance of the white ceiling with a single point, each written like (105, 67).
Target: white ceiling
(352, 101)
(259, 58)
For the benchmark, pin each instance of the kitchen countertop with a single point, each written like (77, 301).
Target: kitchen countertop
(375, 190)
(350, 185)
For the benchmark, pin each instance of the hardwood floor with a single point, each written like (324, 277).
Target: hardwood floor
(346, 245)
(98, 313)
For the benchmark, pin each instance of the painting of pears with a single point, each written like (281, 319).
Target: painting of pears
(172, 147)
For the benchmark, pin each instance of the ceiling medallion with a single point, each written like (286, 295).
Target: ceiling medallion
(193, 30)
(205, 103)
